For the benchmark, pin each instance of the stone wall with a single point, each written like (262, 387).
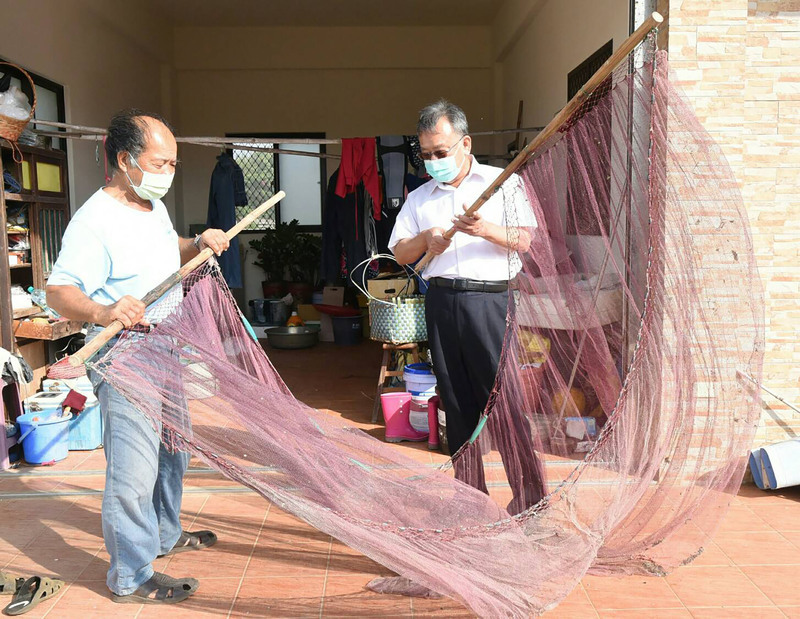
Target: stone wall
(739, 63)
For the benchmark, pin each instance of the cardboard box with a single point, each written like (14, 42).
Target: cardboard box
(333, 295)
(307, 312)
(389, 288)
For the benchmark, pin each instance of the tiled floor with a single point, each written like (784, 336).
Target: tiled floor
(269, 564)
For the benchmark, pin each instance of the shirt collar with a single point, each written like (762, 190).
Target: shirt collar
(475, 169)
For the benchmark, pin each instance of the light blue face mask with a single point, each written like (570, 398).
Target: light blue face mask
(443, 170)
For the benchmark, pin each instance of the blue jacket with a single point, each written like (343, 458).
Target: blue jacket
(226, 193)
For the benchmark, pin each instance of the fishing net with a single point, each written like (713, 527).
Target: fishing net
(617, 410)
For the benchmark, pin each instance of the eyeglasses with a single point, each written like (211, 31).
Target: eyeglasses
(440, 154)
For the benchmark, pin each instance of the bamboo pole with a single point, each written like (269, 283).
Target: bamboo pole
(246, 140)
(97, 131)
(277, 151)
(90, 349)
(95, 137)
(563, 116)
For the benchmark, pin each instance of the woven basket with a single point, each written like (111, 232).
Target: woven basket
(11, 128)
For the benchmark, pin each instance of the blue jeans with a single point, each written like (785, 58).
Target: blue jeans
(143, 491)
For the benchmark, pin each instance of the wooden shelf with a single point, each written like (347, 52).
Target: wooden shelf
(21, 266)
(51, 331)
(27, 311)
(16, 197)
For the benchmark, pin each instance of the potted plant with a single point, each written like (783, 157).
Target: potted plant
(303, 262)
(272, 251)
(285, 250)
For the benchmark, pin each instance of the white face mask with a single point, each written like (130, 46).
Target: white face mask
(153, 186)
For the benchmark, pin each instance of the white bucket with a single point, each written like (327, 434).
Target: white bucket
(418, 414)
(420, 380)
(781, 464)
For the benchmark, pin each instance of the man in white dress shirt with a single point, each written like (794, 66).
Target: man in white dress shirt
(467, 301)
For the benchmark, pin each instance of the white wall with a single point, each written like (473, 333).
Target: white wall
(108, 56)
(344, 82)
(536, 43)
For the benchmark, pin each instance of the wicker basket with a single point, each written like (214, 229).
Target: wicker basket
(11, 128)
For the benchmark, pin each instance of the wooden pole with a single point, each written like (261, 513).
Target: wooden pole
(563, 116)
(277, 151)
(90, 349)
(99, 133)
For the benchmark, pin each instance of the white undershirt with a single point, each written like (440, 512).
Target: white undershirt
(433, 205)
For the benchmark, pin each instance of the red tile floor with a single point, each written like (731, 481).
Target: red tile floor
(269, 564)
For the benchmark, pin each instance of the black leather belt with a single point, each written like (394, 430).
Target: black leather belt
(470, 285)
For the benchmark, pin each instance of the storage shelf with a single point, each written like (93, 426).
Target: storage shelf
(51, 331)
(24, 265)
(27, 311)
(16, 197)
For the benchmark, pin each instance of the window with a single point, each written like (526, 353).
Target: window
(301, 177)
(49, 99)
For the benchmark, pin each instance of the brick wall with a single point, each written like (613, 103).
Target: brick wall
(739, 63)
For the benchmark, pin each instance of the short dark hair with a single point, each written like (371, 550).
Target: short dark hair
(431, 114)
(127, 133)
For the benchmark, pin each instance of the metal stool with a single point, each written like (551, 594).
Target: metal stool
(391, 349)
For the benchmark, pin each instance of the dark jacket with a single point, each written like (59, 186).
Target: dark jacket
(226, 193)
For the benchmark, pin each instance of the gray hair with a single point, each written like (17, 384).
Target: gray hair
(431, 114)
(128, 133)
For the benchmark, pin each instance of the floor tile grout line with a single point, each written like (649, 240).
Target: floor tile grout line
(588, 597)
(764, 593)
(325, 581)
(675, 593)
(249, 558)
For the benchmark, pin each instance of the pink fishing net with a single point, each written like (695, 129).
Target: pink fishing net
(617, 407)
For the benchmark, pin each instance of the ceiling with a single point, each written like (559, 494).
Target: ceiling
(329, 12)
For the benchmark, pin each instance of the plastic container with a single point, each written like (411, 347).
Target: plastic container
(85, 428)
(781, 464)
(346, 330)
(294, 321)
(44, 436)
(258, 312)
(420, 380)
(756, 469)
(396, 408)
(81, 384)
(443, 444)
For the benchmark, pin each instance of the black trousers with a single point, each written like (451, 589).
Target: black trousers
(465, 336)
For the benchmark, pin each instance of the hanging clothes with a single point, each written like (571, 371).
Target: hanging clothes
(414, 152)
(393, 163)
(358, 165)
(343, 230)
(14, 368)
(226, 193)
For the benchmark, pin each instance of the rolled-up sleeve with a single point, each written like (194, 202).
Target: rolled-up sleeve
(83, 260)
(405, 226)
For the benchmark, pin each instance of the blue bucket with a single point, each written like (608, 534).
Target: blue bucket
(44, 436)
(419, 379)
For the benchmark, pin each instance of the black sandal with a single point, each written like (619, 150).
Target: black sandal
(31, 592)
(160, 589)
(192, 541)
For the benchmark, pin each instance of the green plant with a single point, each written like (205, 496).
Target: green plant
(272, 251)
(304, 258)
(285, 249)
